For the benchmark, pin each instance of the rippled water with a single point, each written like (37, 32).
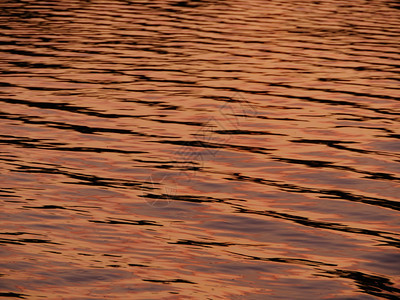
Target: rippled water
(223, 149)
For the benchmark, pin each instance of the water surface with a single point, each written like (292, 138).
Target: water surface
(223, 149)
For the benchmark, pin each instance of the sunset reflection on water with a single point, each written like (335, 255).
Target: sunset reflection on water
(200, 149)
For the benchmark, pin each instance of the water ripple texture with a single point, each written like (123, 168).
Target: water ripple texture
(198, 149)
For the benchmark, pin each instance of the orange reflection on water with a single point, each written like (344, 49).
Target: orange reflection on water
(199, 150)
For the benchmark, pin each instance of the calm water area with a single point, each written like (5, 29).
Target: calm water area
(199, 149)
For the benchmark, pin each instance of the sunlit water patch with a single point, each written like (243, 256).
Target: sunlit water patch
(200, 149)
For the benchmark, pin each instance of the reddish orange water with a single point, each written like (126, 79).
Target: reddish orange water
(200, 149)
